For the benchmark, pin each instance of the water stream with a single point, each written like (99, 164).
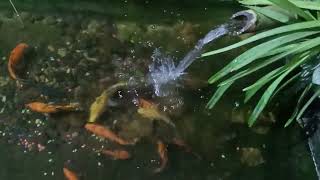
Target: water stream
(163, 69)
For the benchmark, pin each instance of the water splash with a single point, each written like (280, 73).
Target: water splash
(163, 69)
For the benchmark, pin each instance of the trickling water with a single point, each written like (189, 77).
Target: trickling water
(163, 69)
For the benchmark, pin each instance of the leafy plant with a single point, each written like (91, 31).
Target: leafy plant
(295, 43)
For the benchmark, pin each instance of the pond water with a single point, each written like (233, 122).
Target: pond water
(81, 48)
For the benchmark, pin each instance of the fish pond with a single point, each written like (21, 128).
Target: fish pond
(83, 64)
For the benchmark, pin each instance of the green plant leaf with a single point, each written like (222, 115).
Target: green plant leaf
(272, 32)
(313, 97)
(310, 5)
(295, 112)
(286, 83)
(287, 5)
(265, 63)
(271, 13)
(257, 52)
(217, 95)
(298, 48)
(262, 81)
(268, 93)
(281, 49)
(255, 2)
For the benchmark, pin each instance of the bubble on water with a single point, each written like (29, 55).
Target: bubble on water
(99, 164)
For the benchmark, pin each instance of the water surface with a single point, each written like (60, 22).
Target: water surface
(80, 52)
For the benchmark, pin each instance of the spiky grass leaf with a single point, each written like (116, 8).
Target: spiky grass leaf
(265, 63)
(258, 51)
(262, 35)
(262, 81)
(281, 49)
(218, 94)
(296, 110)
(290, 80)
(313, 97)
(287, 5)
(265, 79)
(255, 2)
(296, 48)
(310, 5)
(271, 13)
(268, 93)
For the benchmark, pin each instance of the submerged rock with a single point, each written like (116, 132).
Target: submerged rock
(251, 156)
(49, 20)
(93, 27)
(62, 52)
(25, 16)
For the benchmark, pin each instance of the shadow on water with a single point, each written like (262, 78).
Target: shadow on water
(77, 56)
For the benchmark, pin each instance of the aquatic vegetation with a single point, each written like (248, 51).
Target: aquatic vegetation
(117, 154)
(150, 110)
(70, 175)
(16, 56)
(294, 44)
(52, 108)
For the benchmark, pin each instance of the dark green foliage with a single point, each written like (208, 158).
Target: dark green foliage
(296, 40)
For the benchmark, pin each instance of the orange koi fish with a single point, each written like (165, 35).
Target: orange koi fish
(117, 154)
(15, 58)
(163, 153)
(146, 104)
(69, 175)
(105, 133)
(50, 108)
(150, 110)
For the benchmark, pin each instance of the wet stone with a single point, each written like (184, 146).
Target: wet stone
(251, 156)
(51, 48)
(62, 52)
(26, 16)
(93, 27)
(8, 14)
(37, 17)
(49, 20)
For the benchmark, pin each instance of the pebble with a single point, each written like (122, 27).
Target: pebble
(51, 48)
(62, 52)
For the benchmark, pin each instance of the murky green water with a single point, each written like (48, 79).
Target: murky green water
(80, 49)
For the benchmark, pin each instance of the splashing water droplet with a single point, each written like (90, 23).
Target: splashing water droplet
(163, 69)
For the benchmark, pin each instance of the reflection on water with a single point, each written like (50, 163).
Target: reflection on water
(77, 56)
